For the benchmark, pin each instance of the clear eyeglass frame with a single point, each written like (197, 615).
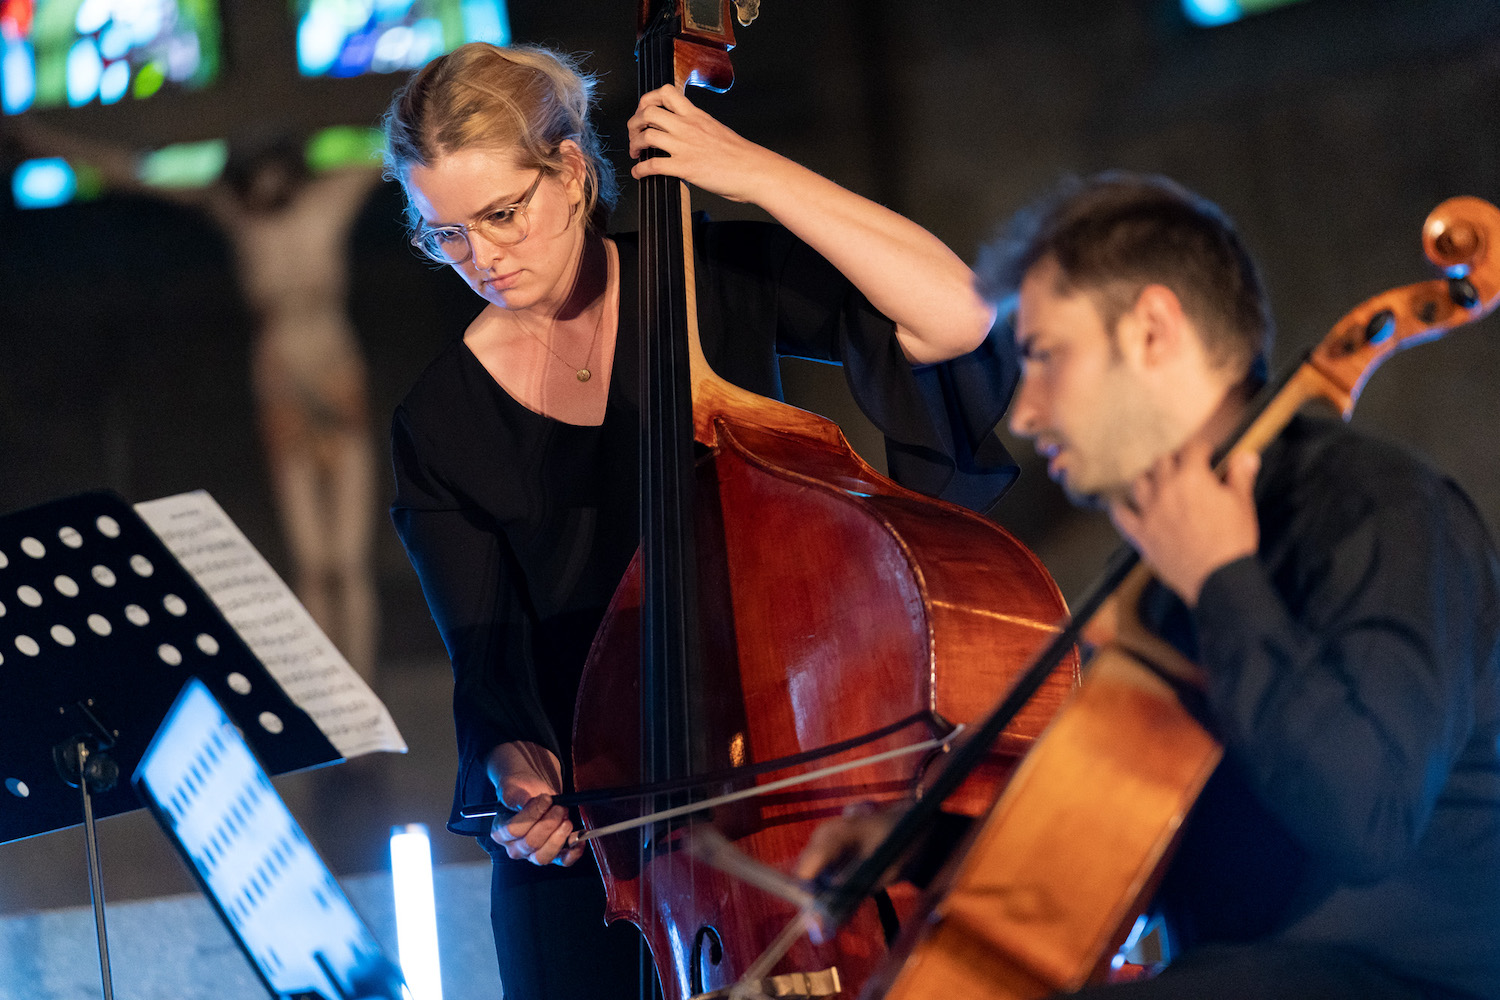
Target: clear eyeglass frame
(506, 226)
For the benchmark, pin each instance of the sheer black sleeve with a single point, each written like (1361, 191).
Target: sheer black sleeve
(468, 576)
(938, 420)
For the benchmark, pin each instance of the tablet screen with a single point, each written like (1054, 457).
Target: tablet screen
(279, 899)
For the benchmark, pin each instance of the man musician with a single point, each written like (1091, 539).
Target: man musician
(1341, 597)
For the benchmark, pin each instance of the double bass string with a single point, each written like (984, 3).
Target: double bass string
(669, 564)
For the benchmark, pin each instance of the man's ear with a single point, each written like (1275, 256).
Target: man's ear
(1158, 328)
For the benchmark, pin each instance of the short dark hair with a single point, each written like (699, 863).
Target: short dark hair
(1113, 234)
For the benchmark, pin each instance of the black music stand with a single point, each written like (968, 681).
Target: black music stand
(100, 627)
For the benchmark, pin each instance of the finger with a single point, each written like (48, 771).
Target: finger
(658, 101)
(814, 857)
(516, 827)
(1243, 468)
(1195, 453)
(655, 136)
(570, 855)
(554, 847)
(829, 844)
(1142, 491)
(545, 830)
(652, 166)
(651, 137)
(527, 804)
(1126, 521)
(653, 98)
(536, 836)
(548, 850)
(651, 119)
(638, 136)
(653, 113)
(672, 97)
(812, 924)
(634, 126)
(512, 838)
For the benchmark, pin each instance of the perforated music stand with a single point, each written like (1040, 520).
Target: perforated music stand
(100, 627)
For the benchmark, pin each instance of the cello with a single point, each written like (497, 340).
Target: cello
(1043, 892)
(788, 605)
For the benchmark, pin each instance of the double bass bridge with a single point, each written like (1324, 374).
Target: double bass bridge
(790, 986)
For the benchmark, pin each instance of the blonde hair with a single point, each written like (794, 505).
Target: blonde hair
(523, 98)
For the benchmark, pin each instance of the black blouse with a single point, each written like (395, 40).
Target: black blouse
(520, 526)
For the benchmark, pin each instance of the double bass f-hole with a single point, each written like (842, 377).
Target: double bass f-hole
(708, 953)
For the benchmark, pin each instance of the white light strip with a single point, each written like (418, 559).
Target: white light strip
(416, 911)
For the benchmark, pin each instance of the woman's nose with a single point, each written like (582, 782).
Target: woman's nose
(483, 252)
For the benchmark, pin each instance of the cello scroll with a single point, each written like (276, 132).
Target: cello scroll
(1459, 237)
(1462, 238)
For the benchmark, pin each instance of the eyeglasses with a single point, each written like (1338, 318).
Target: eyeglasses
(504, 227)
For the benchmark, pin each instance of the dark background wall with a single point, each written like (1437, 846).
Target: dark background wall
(1328, 130)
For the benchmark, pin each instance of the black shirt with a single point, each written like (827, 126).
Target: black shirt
(1354, 678)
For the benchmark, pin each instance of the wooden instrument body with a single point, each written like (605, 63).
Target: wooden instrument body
(835, 603)
(1054, 878)
(786, 597)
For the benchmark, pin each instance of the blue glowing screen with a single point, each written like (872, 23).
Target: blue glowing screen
(218, 806)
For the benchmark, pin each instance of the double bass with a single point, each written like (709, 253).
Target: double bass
(1044, 891)
(789, 606)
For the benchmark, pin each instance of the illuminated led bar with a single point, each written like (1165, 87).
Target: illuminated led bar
(416, 911)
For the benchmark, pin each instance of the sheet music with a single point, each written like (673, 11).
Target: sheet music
(273, 623)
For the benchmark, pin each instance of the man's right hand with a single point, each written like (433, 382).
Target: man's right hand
(838, 843)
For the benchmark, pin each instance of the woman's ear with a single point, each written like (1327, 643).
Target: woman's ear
(575, 170)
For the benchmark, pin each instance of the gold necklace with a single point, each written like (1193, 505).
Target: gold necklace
(582, 372)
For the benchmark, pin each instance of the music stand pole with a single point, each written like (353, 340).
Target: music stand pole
(96, 878)
(83, 757)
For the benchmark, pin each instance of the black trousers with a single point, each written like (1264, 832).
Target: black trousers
(550, 938)
(1268, 971)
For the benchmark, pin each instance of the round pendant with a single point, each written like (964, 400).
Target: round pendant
(584, 374)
